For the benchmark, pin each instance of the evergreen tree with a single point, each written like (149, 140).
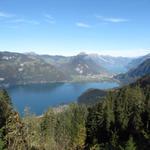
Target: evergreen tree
(130, 145)
(15, 133)
(123, 113)
(1, 140)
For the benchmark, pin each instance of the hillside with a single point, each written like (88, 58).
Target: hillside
(83, 65)
(55, 60)
(122, 119)
(16, 68)
(137, 61)
(135, 73)
(92, 96)
(143, 82)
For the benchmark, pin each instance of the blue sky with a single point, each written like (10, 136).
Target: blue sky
(67, 27)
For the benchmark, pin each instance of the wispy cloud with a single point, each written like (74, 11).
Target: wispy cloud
(49, 19)
(24, 21)
(13, 19)
(103, 20)
(116, 20)
(5, 15)
(112, 19)
(83, 25)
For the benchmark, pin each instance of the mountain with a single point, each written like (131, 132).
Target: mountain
(78, 68)
(16, 68)
(83, 65)
(114, 65)
(135, 73)
(92, 96)
(137, 61)
(110, 63)
(56, 60)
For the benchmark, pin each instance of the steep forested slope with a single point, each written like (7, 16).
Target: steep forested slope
(92, 96)
(122, 120)
(134, 74)
(12, 136)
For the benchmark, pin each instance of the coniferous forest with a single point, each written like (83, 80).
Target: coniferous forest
(121, 121)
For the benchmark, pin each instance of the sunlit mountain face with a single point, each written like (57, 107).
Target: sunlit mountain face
(26, 68)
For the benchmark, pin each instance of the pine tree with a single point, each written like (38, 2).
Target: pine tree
(1, 140)
(130, 145)
(5, 97)
(15, 133)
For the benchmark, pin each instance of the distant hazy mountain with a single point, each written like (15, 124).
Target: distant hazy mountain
(137, 61)
(111, 64)
(135, 73)
(83, 64)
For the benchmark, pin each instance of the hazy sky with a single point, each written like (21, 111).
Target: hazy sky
(66, 27)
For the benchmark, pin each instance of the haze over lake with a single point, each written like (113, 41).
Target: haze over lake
(40, 97)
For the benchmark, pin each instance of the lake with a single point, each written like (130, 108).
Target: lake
(40, 97)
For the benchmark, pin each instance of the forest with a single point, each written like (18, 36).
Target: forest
(119, 121)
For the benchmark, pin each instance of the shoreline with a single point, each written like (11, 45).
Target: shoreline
(7, 85)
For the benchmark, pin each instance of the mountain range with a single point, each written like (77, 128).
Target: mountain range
(109, 63)
(28, 68)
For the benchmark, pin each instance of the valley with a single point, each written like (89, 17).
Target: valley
(31, 68)
(74, 75)
(33, 78)
(91, 101)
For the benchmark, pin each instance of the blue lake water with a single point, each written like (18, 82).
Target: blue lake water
(40, 97)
